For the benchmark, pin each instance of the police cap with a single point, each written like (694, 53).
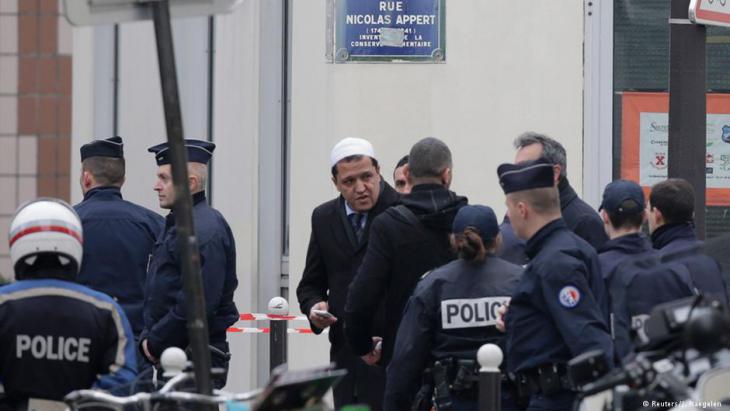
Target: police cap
(111, 147)
(480, 217)
(199, 151)
(526, 175)
(622, 197)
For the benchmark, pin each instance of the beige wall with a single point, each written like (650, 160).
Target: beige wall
(509, 68)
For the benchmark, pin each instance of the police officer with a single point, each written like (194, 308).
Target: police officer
(671, 215)
(555, 313)
(120, 235)
(164, 309)
(577, 214)
(453, 312)
(636, 277)
(57, 336)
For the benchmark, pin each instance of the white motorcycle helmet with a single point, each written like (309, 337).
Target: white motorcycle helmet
(46, 226)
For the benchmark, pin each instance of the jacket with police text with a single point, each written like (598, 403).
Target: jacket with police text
(57, 336)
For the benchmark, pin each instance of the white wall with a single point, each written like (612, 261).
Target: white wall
(141, 124)
(510, 67)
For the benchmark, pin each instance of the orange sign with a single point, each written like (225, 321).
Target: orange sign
(645, 139)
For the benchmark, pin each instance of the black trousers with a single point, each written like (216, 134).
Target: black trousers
(363, 384)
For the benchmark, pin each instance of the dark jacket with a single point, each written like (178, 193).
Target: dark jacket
(578, 216)
(621, 249)
(637, 280)
(164, 309)
(119, 238)
(333, 256)
(398, 254)
(85, 340)
(679, 242)
(637, 286)
(453, 312)
(555, 313)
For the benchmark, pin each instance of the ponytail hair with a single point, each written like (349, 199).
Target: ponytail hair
(470, 247)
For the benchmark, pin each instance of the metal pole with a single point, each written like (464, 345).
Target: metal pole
(277, 332)
(490, 357)
(687, 105)
(183, 207)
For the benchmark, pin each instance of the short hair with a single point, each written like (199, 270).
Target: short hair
(107, 171)
(542, 200)
(552, 151)
(200, 171)
(429, 158)
(403, 161)
(675, 198)
(354, 157)
(632, 219)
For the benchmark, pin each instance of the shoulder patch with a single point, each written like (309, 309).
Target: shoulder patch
(569, 296)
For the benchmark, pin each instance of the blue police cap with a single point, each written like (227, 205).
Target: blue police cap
(526, 175)
(111, 147)
(623, 197)
(478, 216)
(199, 151)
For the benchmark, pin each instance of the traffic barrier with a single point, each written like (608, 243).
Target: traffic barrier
(270, 317)
(278, 317)
(267, 330)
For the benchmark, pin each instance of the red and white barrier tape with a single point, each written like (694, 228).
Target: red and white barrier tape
(267, 330)
(274, 317)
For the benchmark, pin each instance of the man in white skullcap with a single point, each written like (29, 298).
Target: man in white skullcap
(336, 247)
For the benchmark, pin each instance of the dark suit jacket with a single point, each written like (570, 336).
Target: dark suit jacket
(333, 257)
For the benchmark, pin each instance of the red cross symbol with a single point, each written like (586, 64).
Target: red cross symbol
(660, 159)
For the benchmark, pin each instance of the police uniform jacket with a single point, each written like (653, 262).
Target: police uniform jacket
(453, 312)
(164, 309)
(119, 238)
(578, 216)
(333, 256)
(57, 336)
(619, 250)
(637, 286)
(637, 280)
(555, 312)
(399, 252)
(679, 242)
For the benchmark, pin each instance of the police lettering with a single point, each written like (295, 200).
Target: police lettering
(53, 348)
(468, 313)
(638, 324)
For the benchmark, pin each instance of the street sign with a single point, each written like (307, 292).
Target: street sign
(389, 30)
(93, 12)
(710, 12)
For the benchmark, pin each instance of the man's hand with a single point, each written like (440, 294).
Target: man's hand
(501, 326)
(319, 321)
(147, 353)
(373, 356)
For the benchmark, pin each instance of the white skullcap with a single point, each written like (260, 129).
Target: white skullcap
(351, 146)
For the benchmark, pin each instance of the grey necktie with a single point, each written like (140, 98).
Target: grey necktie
(356, 222)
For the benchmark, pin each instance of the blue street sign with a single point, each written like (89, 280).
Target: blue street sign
(382, 30)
